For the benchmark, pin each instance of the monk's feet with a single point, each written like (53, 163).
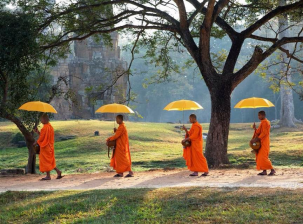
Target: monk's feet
(194, 174)
(59, 175)
(45, 178)
(272, 173)
(119, 175)
(129, 175)
(204, 174)
(262, 173)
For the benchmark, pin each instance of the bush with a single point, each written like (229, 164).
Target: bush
(17, 138)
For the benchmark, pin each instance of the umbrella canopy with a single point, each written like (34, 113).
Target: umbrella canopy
(182, 105)
(254, 102)
(115, 108)
(38, 106)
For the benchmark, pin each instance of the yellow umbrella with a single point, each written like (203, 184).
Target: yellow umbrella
(254, 102)
(183, 105)
(114, 109)
(38, 106)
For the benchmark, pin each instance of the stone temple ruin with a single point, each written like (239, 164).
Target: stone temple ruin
(90, 68)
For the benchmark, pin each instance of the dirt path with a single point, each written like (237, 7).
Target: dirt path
(286, 178)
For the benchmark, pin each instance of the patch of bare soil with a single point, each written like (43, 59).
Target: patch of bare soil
(291, 178)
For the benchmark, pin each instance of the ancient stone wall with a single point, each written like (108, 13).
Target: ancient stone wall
(91, 65)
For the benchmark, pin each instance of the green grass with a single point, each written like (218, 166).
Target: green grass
(153, 146)
(166, 205)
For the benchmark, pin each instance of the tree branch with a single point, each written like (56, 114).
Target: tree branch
(218, 8)
(82, 37)
(78, 7)
(278, 11)
(219, 21)
(204, 45)
(197, 11)
(248, 68)
(182, 14)
(289, 55)
(259, 56)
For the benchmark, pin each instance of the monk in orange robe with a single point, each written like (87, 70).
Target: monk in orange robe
(193, 155)
(262, 160)
(46, 141)
(121, 160)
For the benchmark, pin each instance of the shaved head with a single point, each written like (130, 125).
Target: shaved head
(44, 118)
(119, 119)
(261, 115)
(120, 116)
(262, 112)
(193, 116)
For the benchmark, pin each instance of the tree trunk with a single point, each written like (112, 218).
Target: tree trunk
(217, 139)
(287, 106)
(31, 163)
(276, 102)
(29, 138)
(287, 114)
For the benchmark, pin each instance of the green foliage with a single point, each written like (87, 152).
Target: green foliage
(19, 56)
(25, 65)
(159, 48)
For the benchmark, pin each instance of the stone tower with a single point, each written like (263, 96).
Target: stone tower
(90, 67)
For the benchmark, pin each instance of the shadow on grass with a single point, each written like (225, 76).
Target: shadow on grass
(285, 158)
(105, 206)
(170, 205)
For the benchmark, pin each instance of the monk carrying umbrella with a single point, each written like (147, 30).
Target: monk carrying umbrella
(262, 160)
(121, 160)
(46, 142)
(193, 154)
(46, 139)
(261, 134)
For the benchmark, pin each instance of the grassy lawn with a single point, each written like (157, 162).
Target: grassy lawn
(153, 146)
(166, 205)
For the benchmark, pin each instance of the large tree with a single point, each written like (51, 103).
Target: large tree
(24, 74)
(168, 25)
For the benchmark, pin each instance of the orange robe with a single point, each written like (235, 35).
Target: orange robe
(121, 161)
(46, 141)
(262, 160)
(193, 155)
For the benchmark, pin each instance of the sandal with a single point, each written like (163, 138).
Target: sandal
(44, 179)
(118, 175)
(193, 175)
(272, 174)
(59, 177)
(129, 175)
(262, 174)
(204, 175)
